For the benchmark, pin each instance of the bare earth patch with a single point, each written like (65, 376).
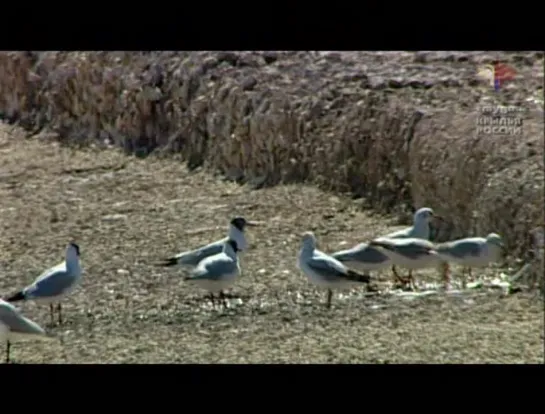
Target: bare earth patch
(126, 213)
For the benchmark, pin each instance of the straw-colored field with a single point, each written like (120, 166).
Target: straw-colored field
(126, 213)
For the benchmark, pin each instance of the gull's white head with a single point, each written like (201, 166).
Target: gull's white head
(423, 214)
(72, 252)
(495, 240)
(309, 240)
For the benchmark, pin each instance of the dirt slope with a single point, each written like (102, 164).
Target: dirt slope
(127, 212)
(398, 128)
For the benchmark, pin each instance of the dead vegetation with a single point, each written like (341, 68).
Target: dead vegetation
(395, 128)
(126, 212)
(482, 183)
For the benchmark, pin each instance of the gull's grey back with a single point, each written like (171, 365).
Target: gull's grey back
(52, 284)
(193, 257)
(462, 248)
(216, 267)
(416, 232)
(325, 266)
(361, 253)
(413, 248)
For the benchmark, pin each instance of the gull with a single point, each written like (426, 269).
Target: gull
(419, 230)
(14, 326)
(410, 253)
(324, 270)
(363, 257)
(472, 252)
(194, 257)
(55, 283)
(217, 272)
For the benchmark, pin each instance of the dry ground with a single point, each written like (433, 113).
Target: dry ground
(125, 213)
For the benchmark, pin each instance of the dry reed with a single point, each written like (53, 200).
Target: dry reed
(231, 113)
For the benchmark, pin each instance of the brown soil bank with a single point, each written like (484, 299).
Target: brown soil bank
(398, 128)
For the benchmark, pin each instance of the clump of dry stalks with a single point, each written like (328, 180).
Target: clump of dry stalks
(482, 183)
(375, 146)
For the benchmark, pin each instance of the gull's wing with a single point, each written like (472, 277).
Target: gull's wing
(462, 248)
(17, 323)
(410, 248)
(193, 257)
(60, 267)
(361, 253)
(409, 232)
(331, 269)
(53, 283)
(214, 268)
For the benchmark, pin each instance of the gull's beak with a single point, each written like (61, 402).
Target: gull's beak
(253, 223)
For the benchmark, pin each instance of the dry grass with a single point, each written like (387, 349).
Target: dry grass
(126, 212)
(348, 122)
(498, 181)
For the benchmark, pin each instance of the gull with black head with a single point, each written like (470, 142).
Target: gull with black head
(217, 272)
(324, 270)
(54, 284)
(192, 258)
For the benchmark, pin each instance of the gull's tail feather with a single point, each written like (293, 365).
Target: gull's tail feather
(168, 262)
(16, 297)
(358, 277)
